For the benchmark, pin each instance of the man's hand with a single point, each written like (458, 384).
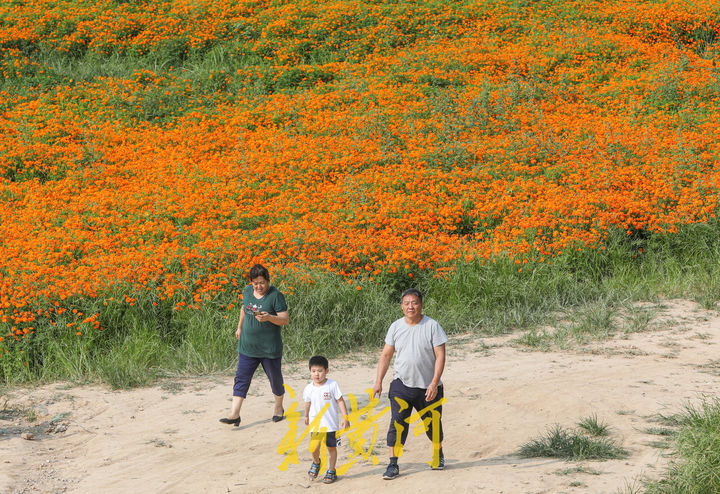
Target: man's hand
(431, 392)
(377, 390)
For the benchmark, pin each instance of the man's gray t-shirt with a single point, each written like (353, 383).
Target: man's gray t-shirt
(414, 350)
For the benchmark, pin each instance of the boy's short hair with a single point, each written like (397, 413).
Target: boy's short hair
(259, 270)
(318, 361)
(411, 291)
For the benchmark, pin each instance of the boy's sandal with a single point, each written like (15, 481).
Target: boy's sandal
(314, 469)
(330, 477)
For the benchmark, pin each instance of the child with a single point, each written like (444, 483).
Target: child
(319, 392)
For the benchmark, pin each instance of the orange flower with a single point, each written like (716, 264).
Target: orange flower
(345, 137)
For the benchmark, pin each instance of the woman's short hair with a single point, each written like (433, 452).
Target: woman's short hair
(259, 270)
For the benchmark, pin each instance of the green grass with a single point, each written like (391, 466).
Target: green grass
(671, 420)
(596, 320)
(602, 299)
(578, 469)
(659, 431)
(579, 295)
(7, 413)
(631, 487)
(594, 427)
(571, 445)
(695, 468)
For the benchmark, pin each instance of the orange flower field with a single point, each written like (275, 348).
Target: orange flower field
(164, 146)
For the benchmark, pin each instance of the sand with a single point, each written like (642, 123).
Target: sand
(167, 439)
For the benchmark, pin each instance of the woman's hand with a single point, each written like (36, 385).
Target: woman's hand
(262, 316)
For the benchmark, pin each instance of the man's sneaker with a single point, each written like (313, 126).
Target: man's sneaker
(441, 463)
(392, 472)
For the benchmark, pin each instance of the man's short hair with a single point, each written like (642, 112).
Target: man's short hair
(259, 270)
(411, 291)
(318, 361)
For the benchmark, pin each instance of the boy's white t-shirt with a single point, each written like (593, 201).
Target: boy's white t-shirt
(318, 396)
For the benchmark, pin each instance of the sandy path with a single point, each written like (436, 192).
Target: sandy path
(167, 438)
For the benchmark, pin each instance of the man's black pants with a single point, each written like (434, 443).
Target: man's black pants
(415, 398)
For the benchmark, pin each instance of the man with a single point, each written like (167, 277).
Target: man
(420, 345)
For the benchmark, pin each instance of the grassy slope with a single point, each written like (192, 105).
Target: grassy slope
(114, 111)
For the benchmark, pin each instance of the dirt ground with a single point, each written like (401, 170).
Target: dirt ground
(167, 439)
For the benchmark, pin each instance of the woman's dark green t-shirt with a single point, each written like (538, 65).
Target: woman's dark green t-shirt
(261, 339)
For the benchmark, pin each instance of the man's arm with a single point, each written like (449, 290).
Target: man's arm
(382, 368)
(431, 391)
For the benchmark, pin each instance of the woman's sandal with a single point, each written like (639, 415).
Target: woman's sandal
(278, 418)
(235, 422)
(313, 472)
(330, 477)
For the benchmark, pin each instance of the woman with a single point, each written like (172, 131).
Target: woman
(259, 341)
